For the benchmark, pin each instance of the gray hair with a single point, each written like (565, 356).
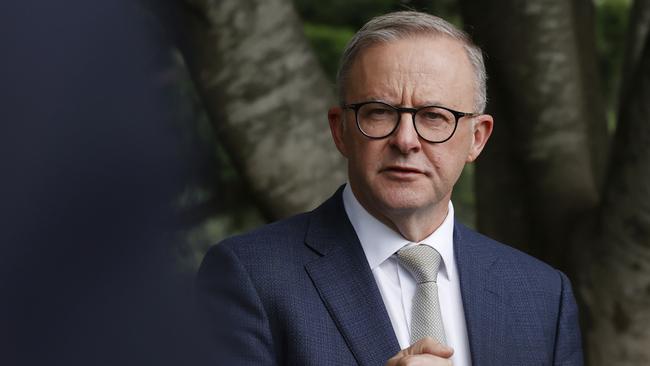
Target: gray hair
(400, 25)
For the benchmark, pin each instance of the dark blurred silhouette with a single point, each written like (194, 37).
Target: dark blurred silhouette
(90, 168)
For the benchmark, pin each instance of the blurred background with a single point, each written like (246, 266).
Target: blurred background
(220, 199)
(135, 135)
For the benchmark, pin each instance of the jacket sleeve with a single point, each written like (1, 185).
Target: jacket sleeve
(568, 344)
(232, 311)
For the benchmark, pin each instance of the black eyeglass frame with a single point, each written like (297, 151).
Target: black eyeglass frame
(412, 111)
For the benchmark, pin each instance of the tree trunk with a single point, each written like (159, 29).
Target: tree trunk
(584, 19)
(638, 30)
(267, 97)
(542, 120)
(540, 177)
(546, 97)
(617, 290)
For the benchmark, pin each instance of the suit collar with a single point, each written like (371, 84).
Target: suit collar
(346, 285)
(482, 298)
(379, 242)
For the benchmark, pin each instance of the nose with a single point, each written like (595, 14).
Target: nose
(405, 138)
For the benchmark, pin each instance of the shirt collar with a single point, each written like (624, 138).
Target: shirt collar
(379, 242)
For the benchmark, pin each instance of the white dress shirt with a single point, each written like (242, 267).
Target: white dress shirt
(396, 284)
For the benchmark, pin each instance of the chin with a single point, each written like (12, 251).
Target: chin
(405, 199)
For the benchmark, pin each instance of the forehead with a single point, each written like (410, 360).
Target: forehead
(413, 71)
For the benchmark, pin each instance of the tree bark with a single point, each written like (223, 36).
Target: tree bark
(584, 19)
(533, 58)
(268, 98)
(500, 186)
(542, 64)
(638, 29)
(617, 290)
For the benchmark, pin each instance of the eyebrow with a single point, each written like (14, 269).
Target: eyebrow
(425, 104)
(429, 102)
(374, 98)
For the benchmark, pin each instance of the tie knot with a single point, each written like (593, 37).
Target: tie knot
(422, 261)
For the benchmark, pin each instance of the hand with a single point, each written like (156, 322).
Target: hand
(424, 352)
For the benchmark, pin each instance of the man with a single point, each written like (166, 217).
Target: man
(345, 284)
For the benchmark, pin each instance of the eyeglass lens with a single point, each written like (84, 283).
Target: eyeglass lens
(378, 120)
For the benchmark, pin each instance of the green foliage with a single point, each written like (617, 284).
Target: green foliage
(329, 27)
(328, 43)
(355, 13)
(347, 13)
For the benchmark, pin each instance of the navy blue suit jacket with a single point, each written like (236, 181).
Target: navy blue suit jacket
(300, 292)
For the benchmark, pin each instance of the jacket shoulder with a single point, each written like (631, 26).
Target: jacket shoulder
(502, 251)
(272, 247)
(513, 263)
(289, 230)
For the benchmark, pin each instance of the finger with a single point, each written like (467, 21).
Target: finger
(430, 346)
(394, 361)
(426, 346)
(421, 360)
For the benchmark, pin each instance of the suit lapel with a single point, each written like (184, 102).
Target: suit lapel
(482, 298)
(347, 287)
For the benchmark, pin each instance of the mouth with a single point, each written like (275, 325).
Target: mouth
(402, 171)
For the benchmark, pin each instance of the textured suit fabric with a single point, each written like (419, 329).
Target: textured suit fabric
(300, 292)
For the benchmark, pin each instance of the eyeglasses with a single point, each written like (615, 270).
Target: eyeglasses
(378, 120)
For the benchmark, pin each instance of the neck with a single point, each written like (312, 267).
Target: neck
(414, 224)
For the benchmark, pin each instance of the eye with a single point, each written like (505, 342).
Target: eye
(376, 111)
(435, 118)
(430, 115)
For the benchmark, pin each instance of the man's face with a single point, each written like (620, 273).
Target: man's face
(403, 174)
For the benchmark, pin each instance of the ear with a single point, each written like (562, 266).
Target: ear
(337, 128)
(481, 131)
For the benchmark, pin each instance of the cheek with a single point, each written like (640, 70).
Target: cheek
(367, 161)
(439, 156)
(358, 155)
(437, 161)
(447, 161)
(459, 147)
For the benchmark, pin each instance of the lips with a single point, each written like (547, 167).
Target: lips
(406, 170)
